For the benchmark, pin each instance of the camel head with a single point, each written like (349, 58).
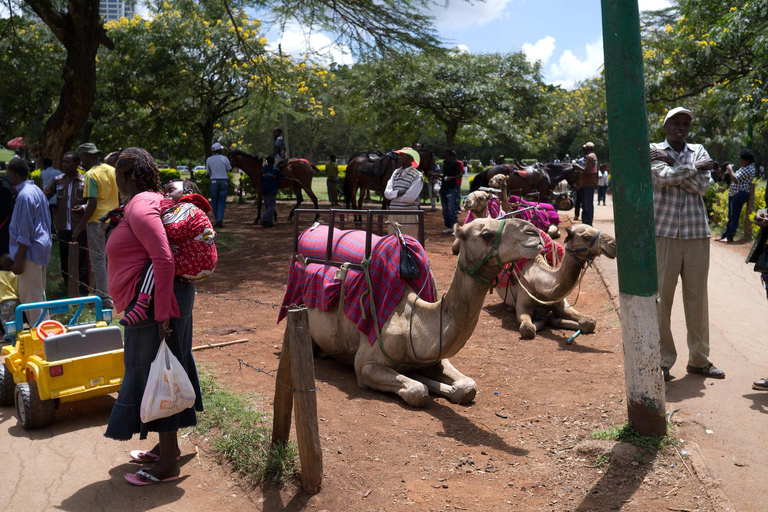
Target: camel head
(588, 243)
(485, 245)
(499, 181)
(477, 203)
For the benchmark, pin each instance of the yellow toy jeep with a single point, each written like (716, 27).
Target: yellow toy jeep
(52, 363)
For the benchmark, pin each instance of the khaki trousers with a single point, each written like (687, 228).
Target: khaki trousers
(688, 260)
(409, 224)
(32, 288)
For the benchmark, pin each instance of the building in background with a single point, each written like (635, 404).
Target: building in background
(111, 10)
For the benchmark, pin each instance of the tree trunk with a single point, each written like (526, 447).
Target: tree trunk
(206, 130)
(450, 132)
(81, 32)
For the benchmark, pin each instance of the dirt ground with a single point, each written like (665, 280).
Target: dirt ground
(522, 445)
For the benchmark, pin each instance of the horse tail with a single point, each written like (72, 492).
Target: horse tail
(346, 191)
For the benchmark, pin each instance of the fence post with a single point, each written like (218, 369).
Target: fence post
(750, 209)
(73, 269)
(307, 430)
(297, 370)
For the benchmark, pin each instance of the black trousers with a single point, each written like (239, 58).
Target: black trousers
(65, 236)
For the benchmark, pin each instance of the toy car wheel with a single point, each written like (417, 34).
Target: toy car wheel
(31, 411)
(6, 386)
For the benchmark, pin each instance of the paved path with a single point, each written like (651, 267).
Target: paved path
(735, 452)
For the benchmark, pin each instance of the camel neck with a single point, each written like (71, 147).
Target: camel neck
(564, 277)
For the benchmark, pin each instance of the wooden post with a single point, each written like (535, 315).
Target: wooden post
(73, 269)
(297, 371)
(281, 423)
(307, 431)
(750, 208)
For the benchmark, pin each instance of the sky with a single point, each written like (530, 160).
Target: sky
(565, 35)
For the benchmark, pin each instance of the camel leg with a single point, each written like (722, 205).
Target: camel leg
(443, 379)
(383, 378)
(568, 318)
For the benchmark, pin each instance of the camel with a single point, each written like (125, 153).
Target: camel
(500, 182)
(550, 286)
(477, 203)
(419, 336)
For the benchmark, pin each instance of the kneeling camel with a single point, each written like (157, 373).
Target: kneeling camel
(420, 336)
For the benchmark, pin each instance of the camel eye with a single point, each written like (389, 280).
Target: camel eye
(487, 235)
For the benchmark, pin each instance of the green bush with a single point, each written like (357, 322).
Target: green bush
(35, 176)
(719, 206)
(203, 182)
(167, 175)
(759, 205)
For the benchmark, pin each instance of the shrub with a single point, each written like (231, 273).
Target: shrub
(166, 175)
(202, 180)
(35, 176)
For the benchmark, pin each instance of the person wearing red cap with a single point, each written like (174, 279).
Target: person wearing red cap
(680, 172)
(403, 190)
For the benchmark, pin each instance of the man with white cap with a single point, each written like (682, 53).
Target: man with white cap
(680, 174)
(216, 167)
(403, 190)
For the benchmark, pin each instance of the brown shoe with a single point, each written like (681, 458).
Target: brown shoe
(761, 384)
(707, 371)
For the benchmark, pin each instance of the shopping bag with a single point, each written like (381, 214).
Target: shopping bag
(168, 390)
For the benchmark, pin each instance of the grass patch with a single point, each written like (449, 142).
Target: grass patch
(627, 434)
(239, 430)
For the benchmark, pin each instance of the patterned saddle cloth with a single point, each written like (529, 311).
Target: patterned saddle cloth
(551, 248)
(316, 286)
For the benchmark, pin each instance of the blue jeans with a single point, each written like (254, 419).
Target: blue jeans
(601, 194)
(218, 198)
(449, 198)
(587, 195)
(735, 203)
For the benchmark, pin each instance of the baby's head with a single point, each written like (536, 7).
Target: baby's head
(176, 189)
(6, 262)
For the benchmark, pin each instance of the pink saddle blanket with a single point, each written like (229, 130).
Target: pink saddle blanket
(550, 249)
(316, 286)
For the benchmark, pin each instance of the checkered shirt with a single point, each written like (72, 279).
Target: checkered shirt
(678, 190)
(744, 177)
(316, 287)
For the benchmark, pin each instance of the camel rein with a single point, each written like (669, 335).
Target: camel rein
(584, 264)
(494, 252)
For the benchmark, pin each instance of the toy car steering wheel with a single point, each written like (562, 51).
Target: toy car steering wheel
(50, 328)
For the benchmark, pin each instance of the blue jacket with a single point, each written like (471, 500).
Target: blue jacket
(270, 179)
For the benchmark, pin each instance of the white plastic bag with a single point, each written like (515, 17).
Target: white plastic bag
(168, 390)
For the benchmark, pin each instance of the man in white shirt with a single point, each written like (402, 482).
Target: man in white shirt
(403, 190)
(47, 174)
(216, 168)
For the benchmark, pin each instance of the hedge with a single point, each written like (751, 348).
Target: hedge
(202, 180)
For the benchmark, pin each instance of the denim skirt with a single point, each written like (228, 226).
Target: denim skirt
(141, 344)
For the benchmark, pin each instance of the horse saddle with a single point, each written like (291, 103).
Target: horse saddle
(531, 175)
(375, 165)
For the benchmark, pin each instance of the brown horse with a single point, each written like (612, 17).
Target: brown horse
(298, 174)
(355, 179)
(537, 178)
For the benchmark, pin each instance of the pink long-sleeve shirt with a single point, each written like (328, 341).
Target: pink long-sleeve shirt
(138, 238)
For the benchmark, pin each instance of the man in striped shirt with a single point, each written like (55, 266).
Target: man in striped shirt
(403, 190)
(738, 193)
(680, 174)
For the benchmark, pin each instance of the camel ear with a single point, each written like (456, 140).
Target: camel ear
(569, 235)
(460, 235)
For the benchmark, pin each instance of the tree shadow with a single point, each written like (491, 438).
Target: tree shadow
(273, 499)
(618, 483)
(455, 425)
(759, 401)
(118, 495)
(70, 417)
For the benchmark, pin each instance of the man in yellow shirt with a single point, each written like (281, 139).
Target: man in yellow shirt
(9, 292)
(101, 191)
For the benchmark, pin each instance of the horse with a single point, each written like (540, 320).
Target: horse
(383, 166)
(541, 178)
(298, 174)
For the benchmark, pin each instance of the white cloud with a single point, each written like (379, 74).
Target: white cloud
(320, 47)
(542, 50)
(653, 5)
(570, 69)
(462, 48)
(459, 13)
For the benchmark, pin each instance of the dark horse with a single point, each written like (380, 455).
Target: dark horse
(298, 174)
(541, 178)
(365, 173)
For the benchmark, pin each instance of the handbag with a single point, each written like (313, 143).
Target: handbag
(169, 390)
(408, 267)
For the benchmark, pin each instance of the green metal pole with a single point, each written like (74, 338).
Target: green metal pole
(633, 215)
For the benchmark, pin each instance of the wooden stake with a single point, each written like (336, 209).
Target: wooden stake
(307, 430)
(281, 422)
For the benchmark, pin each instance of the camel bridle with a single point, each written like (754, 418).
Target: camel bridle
(585, 262)
(493, 253)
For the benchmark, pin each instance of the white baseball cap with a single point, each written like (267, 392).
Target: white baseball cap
(216, 146)
(678, 110)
